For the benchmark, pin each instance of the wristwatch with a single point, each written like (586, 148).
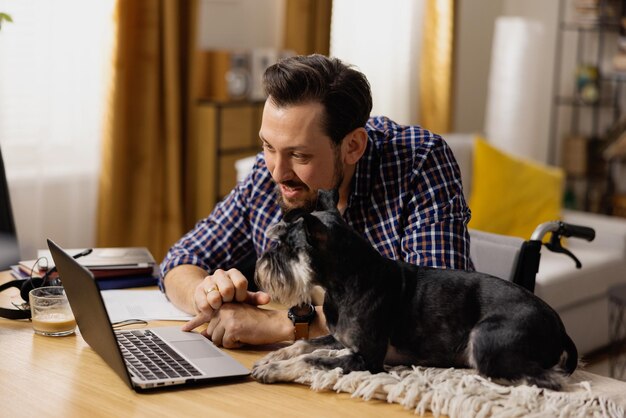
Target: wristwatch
(301, 316)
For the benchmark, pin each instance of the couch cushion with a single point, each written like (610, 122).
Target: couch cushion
(587, 325)
(510, 195)
(563, 286)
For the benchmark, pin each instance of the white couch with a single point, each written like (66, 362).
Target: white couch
(578, 295)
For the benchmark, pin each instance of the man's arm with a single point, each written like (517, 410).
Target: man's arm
(180, 284)
(436, 232)
(231, 324)
(194, 291)
(189, 286)
(221, 239)
(236, 324)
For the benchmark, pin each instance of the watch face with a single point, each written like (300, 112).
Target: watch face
(301, 314)
(238, 83)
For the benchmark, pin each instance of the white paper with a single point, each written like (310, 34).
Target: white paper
(148, 305)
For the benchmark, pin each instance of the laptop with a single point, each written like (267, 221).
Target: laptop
(145, 358)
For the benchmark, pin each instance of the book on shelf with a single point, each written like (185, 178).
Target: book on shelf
(595, 12)
(104, 263)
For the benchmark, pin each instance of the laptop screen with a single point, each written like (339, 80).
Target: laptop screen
(9, 249)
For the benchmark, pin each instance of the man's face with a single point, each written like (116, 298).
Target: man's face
(300, 157)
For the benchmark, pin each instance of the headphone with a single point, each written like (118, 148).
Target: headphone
(26, 285)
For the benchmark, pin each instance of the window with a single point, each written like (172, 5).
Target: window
(55, 62)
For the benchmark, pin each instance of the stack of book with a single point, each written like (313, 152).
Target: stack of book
(595, 12)
(113, 268)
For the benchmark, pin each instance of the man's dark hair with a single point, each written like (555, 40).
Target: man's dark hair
(343, 91)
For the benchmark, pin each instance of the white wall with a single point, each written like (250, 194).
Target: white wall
(476, 20)
(241, 24)
(473, 39)
(383, 40)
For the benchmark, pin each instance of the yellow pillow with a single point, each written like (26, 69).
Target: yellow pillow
(510, 195)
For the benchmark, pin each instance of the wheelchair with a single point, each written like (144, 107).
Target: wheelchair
(516, 259)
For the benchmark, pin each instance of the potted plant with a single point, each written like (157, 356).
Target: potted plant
(4, 18)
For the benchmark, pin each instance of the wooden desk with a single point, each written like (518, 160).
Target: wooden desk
(64, 377)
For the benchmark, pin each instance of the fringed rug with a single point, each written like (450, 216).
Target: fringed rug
(463, 393)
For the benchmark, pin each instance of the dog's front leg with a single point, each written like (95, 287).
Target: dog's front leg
(289, 363)
(350, 361)
(367, 349)
(302, 367)
(300, 347)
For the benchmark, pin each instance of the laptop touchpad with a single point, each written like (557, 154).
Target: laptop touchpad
(196, 349)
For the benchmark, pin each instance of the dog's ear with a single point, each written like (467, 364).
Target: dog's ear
(274, 232)
(316, 231)
(327, 199)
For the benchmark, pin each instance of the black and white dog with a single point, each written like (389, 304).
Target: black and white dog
(395, 313)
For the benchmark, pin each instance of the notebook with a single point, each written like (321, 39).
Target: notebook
(144, 358)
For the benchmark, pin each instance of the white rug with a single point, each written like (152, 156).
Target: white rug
(463, 393)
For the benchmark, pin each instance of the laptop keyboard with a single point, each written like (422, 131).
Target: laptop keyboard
(151, 358)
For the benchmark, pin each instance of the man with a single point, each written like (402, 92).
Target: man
(398, 186)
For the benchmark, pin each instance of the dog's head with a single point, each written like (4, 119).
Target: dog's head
(304, 249)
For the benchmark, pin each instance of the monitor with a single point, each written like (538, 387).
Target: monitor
(9, 248)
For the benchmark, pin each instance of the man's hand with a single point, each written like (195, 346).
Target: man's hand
(236, 324)
(218, 288)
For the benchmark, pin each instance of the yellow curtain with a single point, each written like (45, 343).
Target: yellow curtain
(307, 26)
(436, 66)
(141, 185)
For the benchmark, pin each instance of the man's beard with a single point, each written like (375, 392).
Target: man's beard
(309, 202)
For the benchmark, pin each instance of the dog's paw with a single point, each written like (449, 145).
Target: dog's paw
(289, 370)
(266, 373)
(294, 350)
(273, 357)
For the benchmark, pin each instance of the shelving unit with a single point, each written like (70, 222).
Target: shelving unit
(580, 125)
(224, 131)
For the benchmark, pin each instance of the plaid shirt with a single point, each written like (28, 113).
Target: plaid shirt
(406, 200)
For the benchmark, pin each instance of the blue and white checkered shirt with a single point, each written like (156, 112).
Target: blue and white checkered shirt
(406, 200)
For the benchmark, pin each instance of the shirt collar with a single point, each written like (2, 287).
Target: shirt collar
(377, 127)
